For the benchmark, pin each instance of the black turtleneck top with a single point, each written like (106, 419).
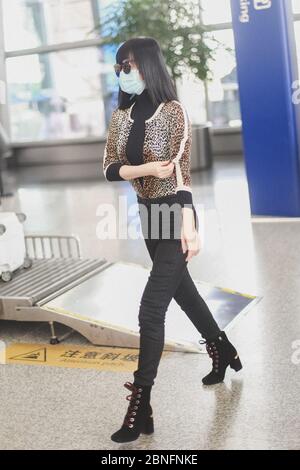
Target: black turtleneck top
(142, 110)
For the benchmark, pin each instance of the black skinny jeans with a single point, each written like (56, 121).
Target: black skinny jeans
(168, 278)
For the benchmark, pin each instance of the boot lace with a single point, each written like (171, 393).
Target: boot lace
(212, 350)
(134, 399)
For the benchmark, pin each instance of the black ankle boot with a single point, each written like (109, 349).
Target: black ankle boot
(223, 354)
(138, 418)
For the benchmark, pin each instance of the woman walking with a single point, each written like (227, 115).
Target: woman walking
(148, 144)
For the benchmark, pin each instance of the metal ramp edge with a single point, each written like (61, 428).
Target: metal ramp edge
(34, 295)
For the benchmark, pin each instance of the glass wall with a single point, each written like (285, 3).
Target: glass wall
(56, 88)
(61, 82)
(41, 22)
(215, 11)
(222, 89)
(296, 6)
(56, 95)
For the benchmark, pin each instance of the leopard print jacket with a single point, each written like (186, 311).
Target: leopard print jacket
(168, 135)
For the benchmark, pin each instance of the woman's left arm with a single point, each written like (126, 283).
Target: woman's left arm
(181, 142)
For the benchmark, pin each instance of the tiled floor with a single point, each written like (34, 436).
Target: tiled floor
(258, 408)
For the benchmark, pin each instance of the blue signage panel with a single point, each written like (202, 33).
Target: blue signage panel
(267, 71)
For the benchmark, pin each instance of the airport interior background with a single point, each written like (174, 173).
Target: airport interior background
(57, 92)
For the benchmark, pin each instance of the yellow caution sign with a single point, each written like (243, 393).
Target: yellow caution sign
(74, 356)
(38, 355)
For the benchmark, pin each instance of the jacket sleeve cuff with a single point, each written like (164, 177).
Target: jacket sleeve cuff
(185, 198)
(112, 172)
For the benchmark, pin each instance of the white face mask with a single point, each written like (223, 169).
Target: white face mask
(131, 82)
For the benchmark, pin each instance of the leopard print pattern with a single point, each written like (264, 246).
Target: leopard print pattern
(168, 135)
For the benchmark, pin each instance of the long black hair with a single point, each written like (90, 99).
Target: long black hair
(150, 62)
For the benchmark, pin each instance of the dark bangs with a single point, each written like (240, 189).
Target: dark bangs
(149, 59)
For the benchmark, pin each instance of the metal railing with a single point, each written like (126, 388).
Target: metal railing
(52, 246)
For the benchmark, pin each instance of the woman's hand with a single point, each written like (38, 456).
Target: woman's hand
(190, 240)
(160, 169)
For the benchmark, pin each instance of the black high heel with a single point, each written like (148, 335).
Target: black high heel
(148, 427)
(138, 418)
(236, 364)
